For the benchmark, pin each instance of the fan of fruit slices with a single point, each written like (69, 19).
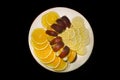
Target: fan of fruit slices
(60, 41)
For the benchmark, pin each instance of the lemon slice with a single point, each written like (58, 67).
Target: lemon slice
(85, 37)
(72, 43)
(77, 22)
(71, 33)
(55, 63)
(82, 51)
(78, 34)
(62, 66)
(49, 59)
(39, 36)
(42, 54)
(65, 35)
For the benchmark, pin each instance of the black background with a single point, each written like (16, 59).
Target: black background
(22, 64)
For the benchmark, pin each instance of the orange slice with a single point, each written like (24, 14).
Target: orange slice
(38, 35)
(62, 66)
(49, 18)
(49, 59)
(55, 63)
(39, 46)
(44, 23)
(42, 54)
(72, 56)
(50, 37)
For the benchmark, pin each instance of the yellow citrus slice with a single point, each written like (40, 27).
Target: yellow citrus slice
(71, 33)
(49, 18)
(62, 66)
(72, 43)
(39, 46)
(82, 51)
(69, 38)
(42, 54)
(38, 35)
(77, 22)
(65, 35)
(49, 59)
(72, 56)
(85, 37)
(44, 23)
(55, 63)
(49, 38)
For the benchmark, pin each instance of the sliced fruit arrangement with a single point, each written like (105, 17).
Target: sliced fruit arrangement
(77, 36)
(44, 51)
(58, 44)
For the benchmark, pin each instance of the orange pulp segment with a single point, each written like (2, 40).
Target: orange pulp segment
(62, 66)
(38, 35)
(42, 54)
(39, 46)
(55, 63)
(49, 59)
(49, 18)
(72, 56)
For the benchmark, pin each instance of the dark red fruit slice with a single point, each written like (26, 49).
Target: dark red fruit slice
(51, 33)
(57, 46)
(66, 21)
(64, 52)
(61, 23)
(56, 40)
(57, 28)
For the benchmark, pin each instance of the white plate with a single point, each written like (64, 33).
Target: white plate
(70, 13)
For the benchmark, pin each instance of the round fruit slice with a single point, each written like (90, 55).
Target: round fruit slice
(71, 31)
(39, 46)
(49, 38)
(64, 35)
(72, 43)
(82, 51)
(44, 23)
(72, 56)
(55, 63)
(77, 22)
(49, 59)
(85, 37)
(38, 35)
(42, 54)
(49, 18)
(62, 66)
